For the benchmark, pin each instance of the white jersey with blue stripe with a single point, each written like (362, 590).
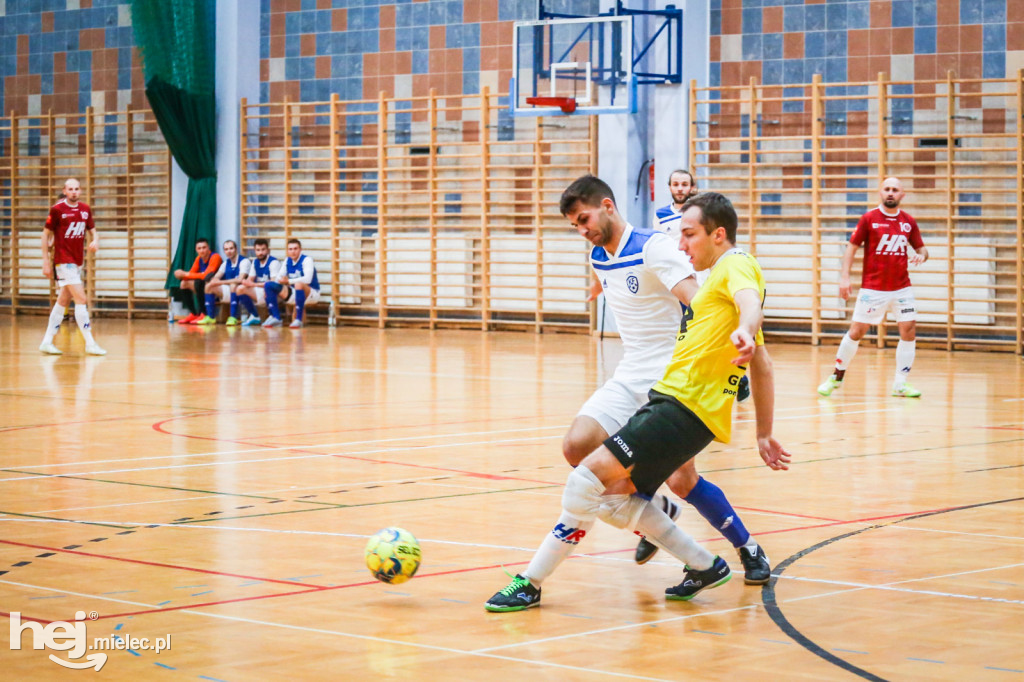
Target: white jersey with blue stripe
(667, 220)
(637, 282)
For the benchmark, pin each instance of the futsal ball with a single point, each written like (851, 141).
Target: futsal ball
(393, 555)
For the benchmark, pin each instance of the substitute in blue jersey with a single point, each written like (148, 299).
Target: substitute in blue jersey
(224, 286)
(682, 186)
(264, 269)
(645, 277)
(296, 283)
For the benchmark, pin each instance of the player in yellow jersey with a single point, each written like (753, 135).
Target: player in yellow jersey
(689, 408)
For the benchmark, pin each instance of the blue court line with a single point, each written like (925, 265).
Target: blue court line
(303, 577)
(924, 660)
(709, 632)
(186, 587)
(1004, 670)
(253, 582)
(212, 679)
(164, 602)
(775, 641)
(199, 594)
(134, 653)
(400, 594)
(455, 601)
(55, 596)
(164, 666)
(120, 592)
(850, 651)
(573, 615)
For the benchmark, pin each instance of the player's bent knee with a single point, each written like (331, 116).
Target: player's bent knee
(622, 511)
(684, 479)
(582, 494)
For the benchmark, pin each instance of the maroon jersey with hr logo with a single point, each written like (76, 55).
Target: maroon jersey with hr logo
(885, 239)
(68, 224)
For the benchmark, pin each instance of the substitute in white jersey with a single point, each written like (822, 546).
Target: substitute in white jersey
(681, 186)
(645, 277)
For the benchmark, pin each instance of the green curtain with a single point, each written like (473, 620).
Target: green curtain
(177, 42)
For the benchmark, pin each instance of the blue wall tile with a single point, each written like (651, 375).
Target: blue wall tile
(835, 43)
(751, 46)
(771, 46)
(924, 40)
(970, 12)
(858, 15)
(835, 16)
(793, 18)
(814, 18)
(926, 13)
(716, 22)
(993, 65)
(751, 21)
(772, 71)
(994, 37)
(902, 13)
(993, 11)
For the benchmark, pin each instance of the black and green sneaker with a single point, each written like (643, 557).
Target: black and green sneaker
(697, 581)
(518, 595)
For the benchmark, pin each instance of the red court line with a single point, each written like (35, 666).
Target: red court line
(456, 571)
(156, 563)
(92, 421)
(781, 513)
(1003, 428)
(158, 427)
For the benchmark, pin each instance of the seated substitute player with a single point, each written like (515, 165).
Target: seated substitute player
(204, 267)
(683, 186)
(230, 275)
(296, 283)
(65, 228)
(688, 409)
(645, 277)
(885, 232)
(264, 269)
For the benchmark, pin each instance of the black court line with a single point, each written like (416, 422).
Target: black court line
(775, 611)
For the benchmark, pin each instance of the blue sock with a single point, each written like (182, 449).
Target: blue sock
(272, 289)
(300, 303)
(234, 304)
(709, 500)
(211, 305)
(250, 305)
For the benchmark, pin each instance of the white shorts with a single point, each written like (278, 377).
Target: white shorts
(67, 273)
(614, 403)
(225, 292)
(872, 305)
(312, 297)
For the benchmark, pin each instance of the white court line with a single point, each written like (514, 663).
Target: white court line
(337, 454)
(956, 532)
(854, 587)
(215, 453)
(321, 631)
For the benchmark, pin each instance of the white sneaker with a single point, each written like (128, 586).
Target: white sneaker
(272, 322)
(296, 324)
(50, 349)
(94, 349)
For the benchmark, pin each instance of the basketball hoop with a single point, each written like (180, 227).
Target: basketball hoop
(566, 104)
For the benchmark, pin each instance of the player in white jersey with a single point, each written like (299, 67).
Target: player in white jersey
(681, 186)
(645, 278)
(265, 268)
(233, 270)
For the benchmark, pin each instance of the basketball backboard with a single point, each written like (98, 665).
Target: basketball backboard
(573, 66)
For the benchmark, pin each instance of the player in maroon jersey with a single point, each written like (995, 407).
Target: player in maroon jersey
(65, 228)
(885, 232)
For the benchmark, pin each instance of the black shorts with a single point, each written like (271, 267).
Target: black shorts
(662, 436)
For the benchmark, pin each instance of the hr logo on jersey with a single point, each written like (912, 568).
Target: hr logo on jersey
(892, 245)
(570, 536)
(633, 283)
(75, 229)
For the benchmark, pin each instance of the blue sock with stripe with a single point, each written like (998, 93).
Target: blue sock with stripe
(272, 290)
(300, 303)
(234, 304)
(709, 500)
(211, 305)
(250, 305)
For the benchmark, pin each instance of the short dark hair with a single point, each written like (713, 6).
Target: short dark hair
(589, 190)
(715, 211)
(261, 242)
(202, 240)
(693, 183)
(230, 241)
(293, 240)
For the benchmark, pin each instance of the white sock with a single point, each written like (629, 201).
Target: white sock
(751, 545)
(847, 349)
(556, 547)
(82, 318)
(905, 351)
(56, 317)
(660, 529)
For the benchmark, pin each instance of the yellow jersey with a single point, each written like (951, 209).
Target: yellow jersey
(701, 374)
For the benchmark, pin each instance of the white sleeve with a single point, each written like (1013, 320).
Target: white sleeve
(220, 270)
(308, 268)
(275, 270)
(666, 261)
(244, 268)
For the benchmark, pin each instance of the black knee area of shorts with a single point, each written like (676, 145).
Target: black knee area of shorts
(663, 435)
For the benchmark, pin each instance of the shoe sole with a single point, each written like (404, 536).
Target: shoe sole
(749, 581)
(508, 609)
(675, 597)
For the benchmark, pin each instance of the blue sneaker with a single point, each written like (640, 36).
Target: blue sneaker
(253, 321)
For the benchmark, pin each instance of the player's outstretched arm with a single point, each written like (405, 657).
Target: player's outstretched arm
(762, 386)
(45, 243)
(844, 272)
(749, 303)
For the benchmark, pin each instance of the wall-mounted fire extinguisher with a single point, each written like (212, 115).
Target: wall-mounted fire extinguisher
(640, 177)
(650, 178)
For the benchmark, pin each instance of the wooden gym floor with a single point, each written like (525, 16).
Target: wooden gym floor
(218, 485)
